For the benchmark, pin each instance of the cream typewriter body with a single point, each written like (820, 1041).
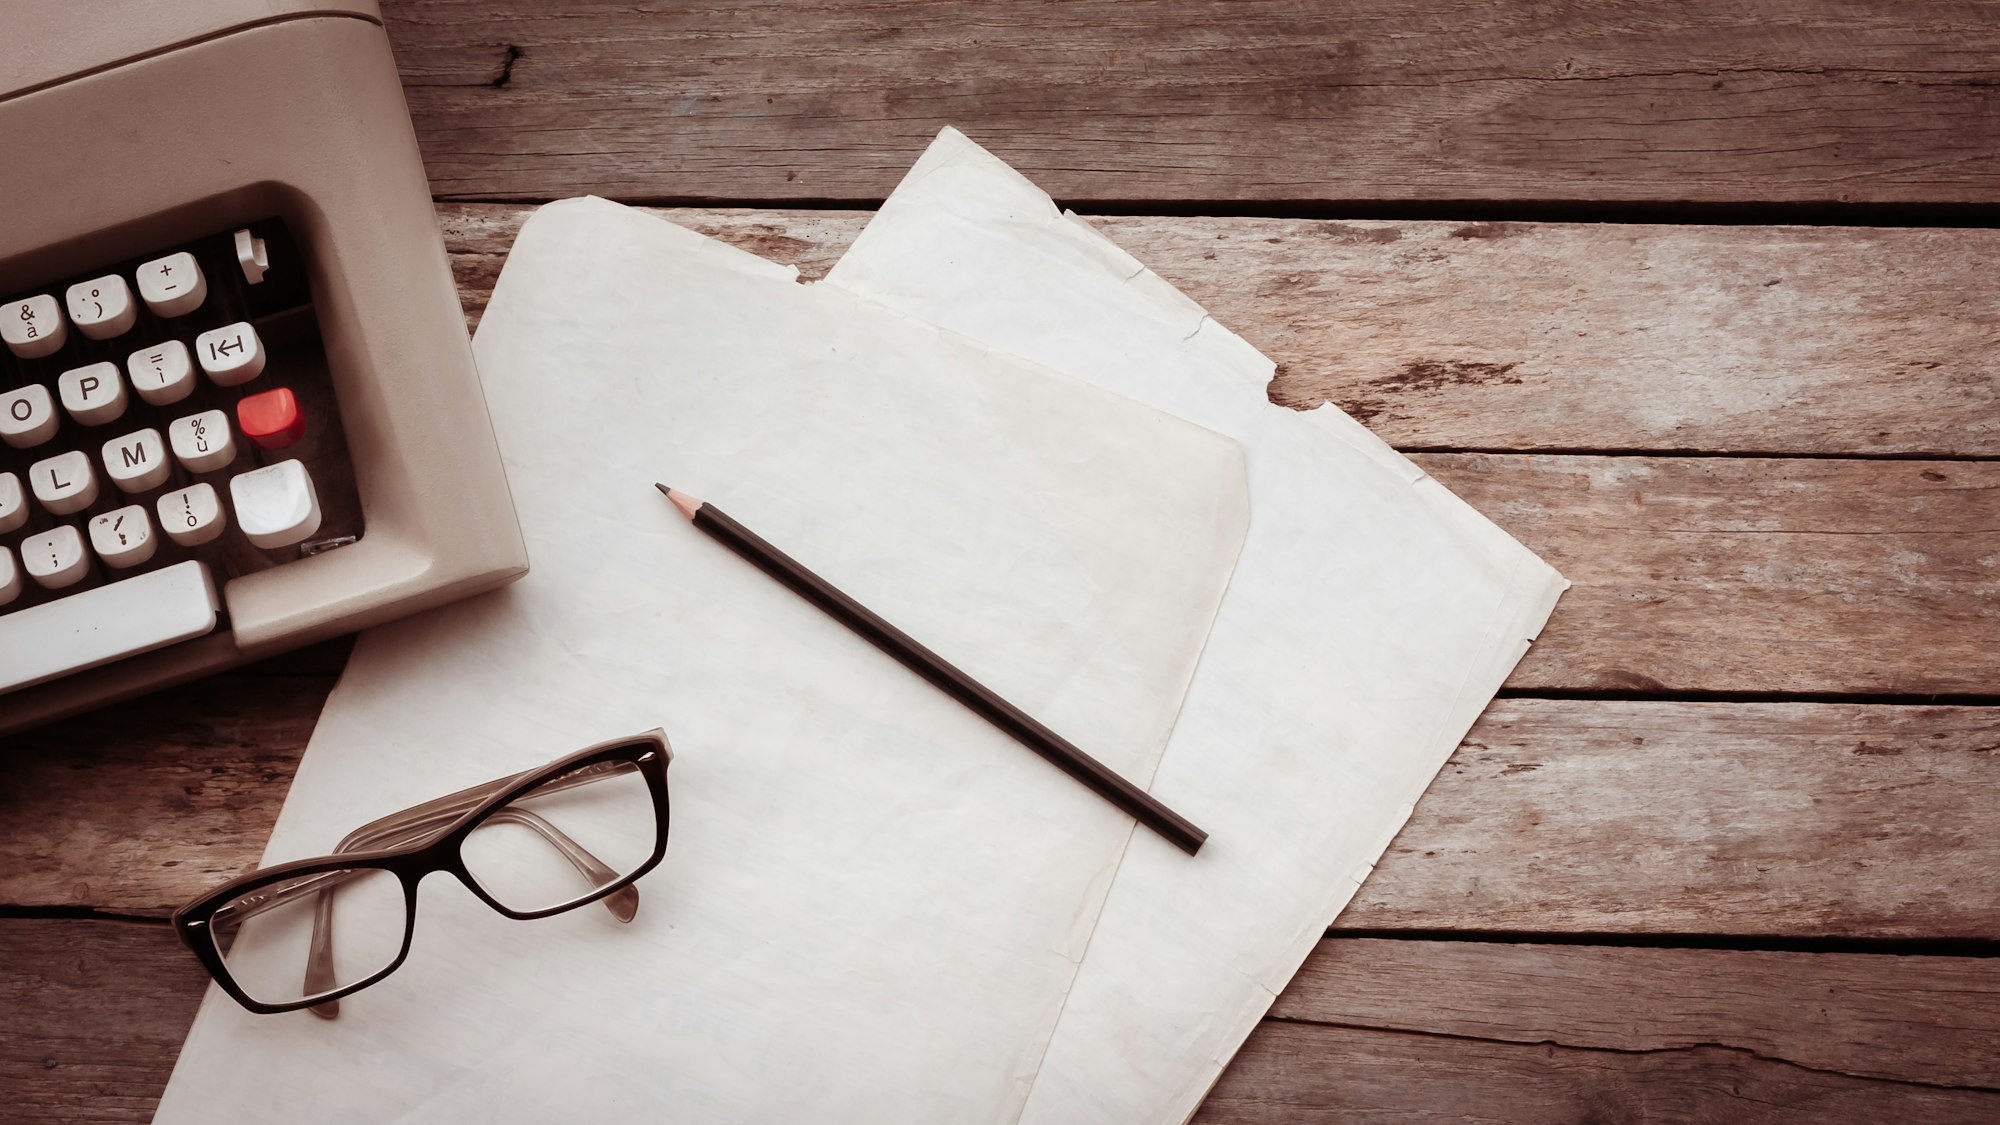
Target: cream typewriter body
(238, 410)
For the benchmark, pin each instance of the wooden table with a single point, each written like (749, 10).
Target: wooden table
(1696, 298)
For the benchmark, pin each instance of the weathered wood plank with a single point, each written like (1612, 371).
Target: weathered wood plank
(1778, 819)
(134, 808)
(96, 1012)
(1580, 816)
(1426, 1030)
(1289, 1074)
(1908, 1019)
(1754, 574)
(1543, 335)
(1386, 100)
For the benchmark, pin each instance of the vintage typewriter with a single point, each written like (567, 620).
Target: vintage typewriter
(238, 410)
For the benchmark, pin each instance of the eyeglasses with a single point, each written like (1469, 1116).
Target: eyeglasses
(304, 934)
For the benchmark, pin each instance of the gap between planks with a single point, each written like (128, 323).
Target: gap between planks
(99, 1010)
(1934, 216)
(1781, 822)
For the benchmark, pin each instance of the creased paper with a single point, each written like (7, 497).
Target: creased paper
(1371, 618)
(872, 902)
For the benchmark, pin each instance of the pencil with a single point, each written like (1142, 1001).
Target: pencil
(1059, 751)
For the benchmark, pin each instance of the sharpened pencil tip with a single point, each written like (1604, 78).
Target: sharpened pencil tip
(687, 504)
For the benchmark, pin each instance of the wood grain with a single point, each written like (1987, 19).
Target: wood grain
(1525, 336)
(1291, 1074)
(1753, 574)
(96, 1012)
(1381, 100)
(1696, 574)
(134, 808)
(1777, 819)
(1399, 1030)
(1907, 1019)
(1579, 816)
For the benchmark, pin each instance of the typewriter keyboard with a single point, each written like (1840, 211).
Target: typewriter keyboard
(167, 423)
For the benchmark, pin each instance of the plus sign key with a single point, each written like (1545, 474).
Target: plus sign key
(231, 354)
(173, 285)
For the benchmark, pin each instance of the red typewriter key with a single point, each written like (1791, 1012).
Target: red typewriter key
(272, 419)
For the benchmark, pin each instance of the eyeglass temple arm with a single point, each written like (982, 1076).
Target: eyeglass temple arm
(417, 822)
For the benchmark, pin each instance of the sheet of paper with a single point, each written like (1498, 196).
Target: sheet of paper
(872, 902)
(1371, 618)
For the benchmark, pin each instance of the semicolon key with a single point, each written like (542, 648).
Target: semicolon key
(103, 307)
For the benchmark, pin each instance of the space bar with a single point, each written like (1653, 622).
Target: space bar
(116, 620)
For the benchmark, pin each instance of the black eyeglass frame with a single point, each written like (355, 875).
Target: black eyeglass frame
(438, 851)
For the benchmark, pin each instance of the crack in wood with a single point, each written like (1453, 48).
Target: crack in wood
(1694, 1047)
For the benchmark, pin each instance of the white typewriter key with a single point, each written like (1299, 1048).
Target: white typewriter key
(103, 307)
(13, 503)
(137, 462)
(202, 442)
(10, 576)
(64, 483)
(55, 558)
(34, 327)
(173, 285)
(138, 613)
(162, 375)
(192, 516)
(27, 416)
(231, 354)
(275, 505)
(123, 538)
(93, 395)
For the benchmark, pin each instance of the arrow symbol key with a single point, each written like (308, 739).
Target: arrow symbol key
(232, 354)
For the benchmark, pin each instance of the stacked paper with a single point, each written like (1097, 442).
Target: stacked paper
(1372, 616)
(874, 908)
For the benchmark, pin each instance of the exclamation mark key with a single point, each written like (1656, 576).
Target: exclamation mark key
(193, 515)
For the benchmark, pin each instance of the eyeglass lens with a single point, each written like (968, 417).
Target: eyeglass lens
(553, 846)
(565, 839)
(265, 935)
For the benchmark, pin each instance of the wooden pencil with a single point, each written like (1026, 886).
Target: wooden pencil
(1059, 751)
